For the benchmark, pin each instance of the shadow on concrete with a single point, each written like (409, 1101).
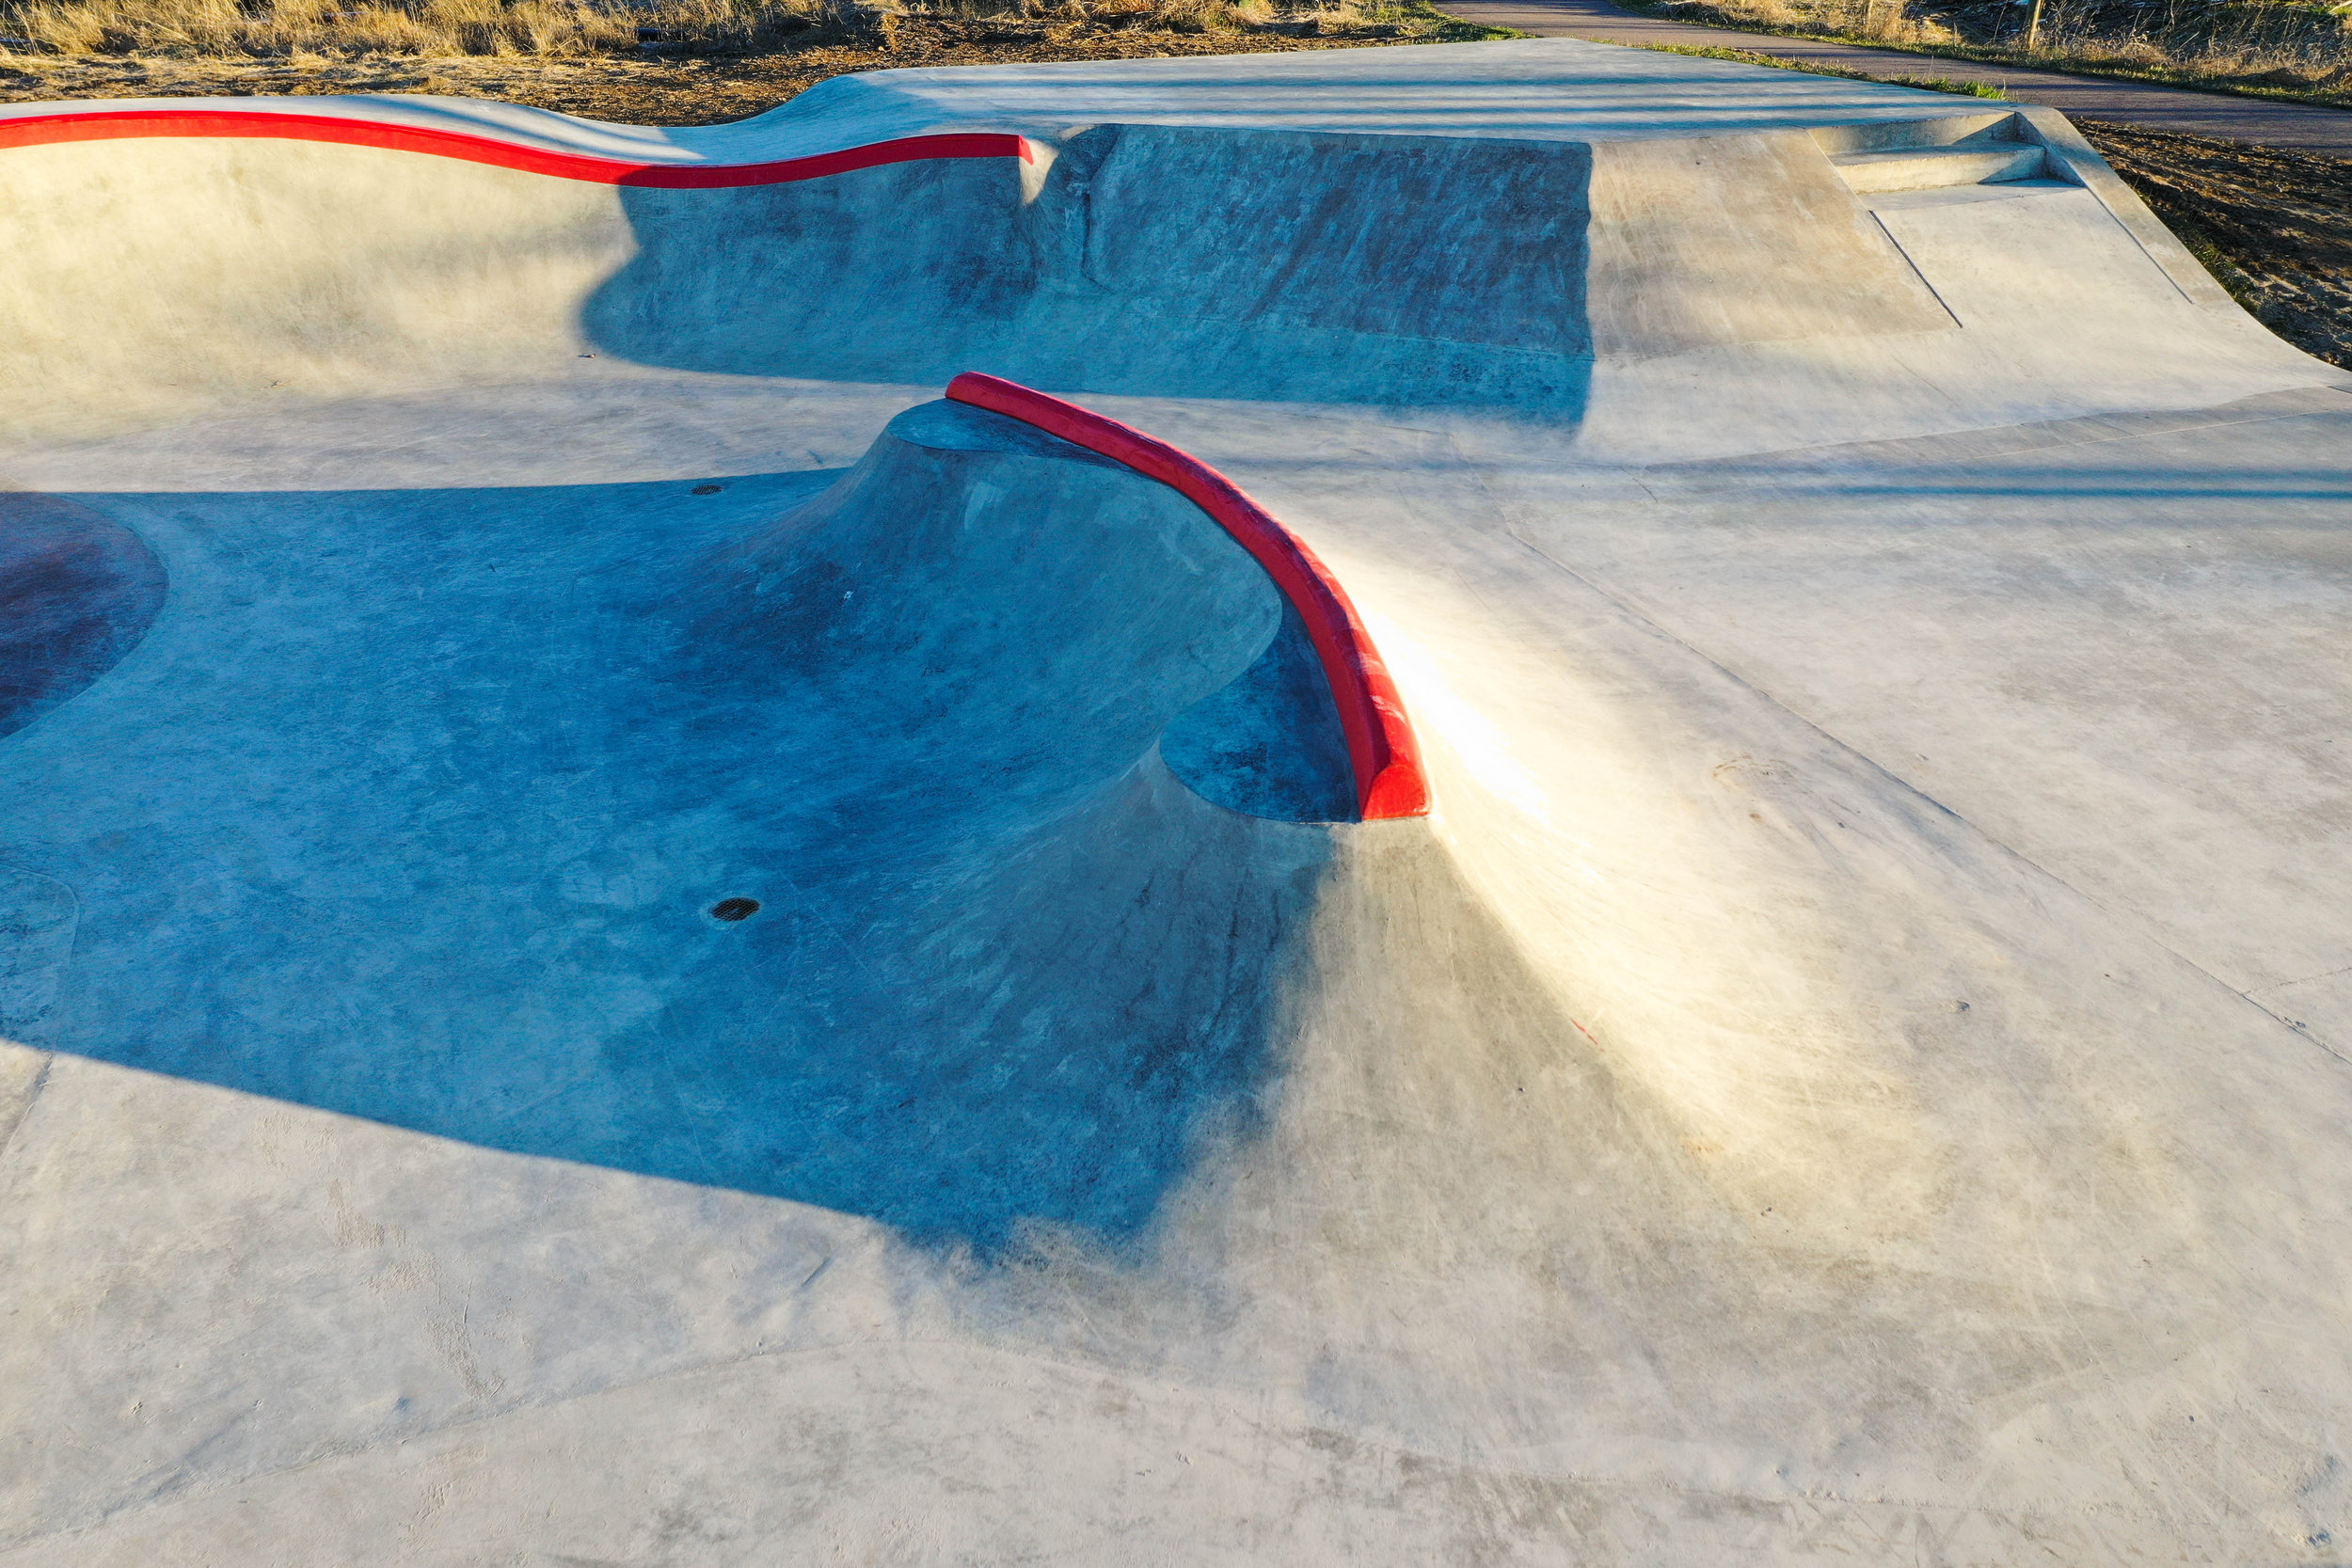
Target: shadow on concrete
(416, 806)
(1160, 260)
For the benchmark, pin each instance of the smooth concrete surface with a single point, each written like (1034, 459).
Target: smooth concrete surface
(1853, 1069)
(2235, 117)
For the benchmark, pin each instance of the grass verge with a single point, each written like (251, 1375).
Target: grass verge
(2291, 52)
(678, 62)
(1750, 56)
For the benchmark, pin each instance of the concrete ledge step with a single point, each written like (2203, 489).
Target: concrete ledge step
(1926, 167)
(1884, 135)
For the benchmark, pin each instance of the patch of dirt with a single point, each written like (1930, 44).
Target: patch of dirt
(2274, 227)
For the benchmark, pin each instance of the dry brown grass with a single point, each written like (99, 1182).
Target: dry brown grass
(35, 30)
(2268, 45)
(353, 28)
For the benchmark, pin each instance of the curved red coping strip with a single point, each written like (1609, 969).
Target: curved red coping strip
(103, 125)
(1381, 747)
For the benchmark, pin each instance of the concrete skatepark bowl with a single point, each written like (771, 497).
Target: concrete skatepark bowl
(627, 936)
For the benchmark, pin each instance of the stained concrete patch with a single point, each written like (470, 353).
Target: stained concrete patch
(77, 592)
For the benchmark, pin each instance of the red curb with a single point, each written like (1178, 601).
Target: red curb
(104, 125)
(1381, 746)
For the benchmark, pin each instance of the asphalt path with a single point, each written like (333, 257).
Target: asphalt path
(2303, 127)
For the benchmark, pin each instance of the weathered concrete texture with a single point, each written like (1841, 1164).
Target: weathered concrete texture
(1853, 1069)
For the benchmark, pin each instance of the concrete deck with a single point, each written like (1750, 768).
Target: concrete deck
(1852, 1070)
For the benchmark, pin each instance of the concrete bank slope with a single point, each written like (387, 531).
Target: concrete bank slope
(1851, 1068)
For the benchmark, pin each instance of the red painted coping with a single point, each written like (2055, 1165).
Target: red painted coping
(107, 125)
(1381, 746)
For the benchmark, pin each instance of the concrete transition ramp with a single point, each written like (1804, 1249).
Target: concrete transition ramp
(1510, 804)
